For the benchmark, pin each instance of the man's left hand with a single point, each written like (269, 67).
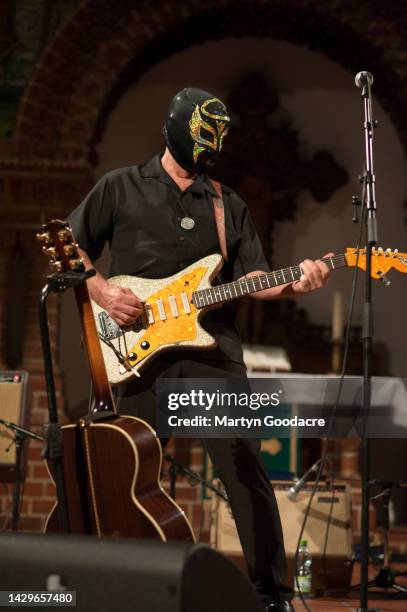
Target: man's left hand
(315, 275)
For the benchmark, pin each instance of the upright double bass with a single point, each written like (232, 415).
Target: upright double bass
(111, 463)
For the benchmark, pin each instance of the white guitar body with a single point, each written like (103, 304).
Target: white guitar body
(170, 321)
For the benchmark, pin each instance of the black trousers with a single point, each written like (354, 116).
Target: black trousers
(239, 465)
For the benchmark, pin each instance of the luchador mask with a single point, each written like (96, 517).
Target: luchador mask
(196, 125)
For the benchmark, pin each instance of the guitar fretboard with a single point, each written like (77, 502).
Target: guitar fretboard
(230, 291)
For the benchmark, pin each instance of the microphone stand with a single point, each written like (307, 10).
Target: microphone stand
(20, 434)
(385, 579)
(177, 468)
(301, 482)
(367, 336)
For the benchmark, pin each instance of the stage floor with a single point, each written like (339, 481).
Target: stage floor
(351, 603)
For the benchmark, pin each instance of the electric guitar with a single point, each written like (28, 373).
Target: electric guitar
(174, 306)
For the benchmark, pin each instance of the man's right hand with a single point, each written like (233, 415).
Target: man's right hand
(121, 304)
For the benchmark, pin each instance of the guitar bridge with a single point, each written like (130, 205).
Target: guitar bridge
(109, 328)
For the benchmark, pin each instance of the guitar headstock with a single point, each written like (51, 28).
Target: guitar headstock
(382, 260)
(60, 246)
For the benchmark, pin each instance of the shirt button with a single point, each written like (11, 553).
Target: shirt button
(182, 238)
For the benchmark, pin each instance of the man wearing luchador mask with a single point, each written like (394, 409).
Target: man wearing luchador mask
(158, 218)
(195, 138)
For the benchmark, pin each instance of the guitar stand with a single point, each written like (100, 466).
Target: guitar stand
(20, 434)
(177, 468)
(52, 450)
(385, 579)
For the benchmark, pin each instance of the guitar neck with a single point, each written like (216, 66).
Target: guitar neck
(230, 291)
(103, 400)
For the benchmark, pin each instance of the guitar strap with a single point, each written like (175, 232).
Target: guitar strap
(219, 210)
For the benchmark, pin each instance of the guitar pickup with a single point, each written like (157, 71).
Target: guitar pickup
(148, 310)
(173, 306)
(161, 309)
(185, 303)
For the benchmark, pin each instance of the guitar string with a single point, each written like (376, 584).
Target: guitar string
(91, 482)
(338, 259)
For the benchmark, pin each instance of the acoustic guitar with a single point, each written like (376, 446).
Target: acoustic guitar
(175, 305)
(112, 464)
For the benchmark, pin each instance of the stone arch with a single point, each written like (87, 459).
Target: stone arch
(106, 45)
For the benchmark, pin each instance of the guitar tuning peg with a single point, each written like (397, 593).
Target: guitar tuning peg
(395, 252)
(68, 249)
(49, 250)
(76, 264)
(63, 235)
(57, 265)
(43, 236)
(388, 252)
(386, 282)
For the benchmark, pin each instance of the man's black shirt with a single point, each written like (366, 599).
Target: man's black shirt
(138, 210)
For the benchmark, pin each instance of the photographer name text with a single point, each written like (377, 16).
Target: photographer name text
(243, 422)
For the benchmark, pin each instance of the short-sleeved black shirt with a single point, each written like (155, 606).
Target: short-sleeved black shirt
(138, 209)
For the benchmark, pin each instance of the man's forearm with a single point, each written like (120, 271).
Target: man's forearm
(96, 283)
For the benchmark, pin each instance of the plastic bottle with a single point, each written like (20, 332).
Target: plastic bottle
(303, 581)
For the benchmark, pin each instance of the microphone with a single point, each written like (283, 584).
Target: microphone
(300, 484)
(363, 78)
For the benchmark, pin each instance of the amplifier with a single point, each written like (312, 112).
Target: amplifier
(332, 572)
(15, 399)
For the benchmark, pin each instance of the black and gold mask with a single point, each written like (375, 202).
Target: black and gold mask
(195, 128)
